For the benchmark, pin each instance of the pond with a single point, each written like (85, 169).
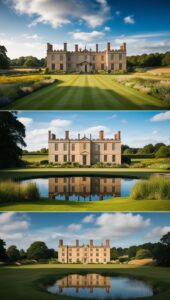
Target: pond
(98, 286)
(83, 188)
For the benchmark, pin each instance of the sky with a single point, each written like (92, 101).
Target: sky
(123, 229)
(27, 25)
(138, 128)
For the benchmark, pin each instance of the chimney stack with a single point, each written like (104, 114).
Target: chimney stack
(65, 47)
(124, 45)
(101, 134)
(60, 243)
(77, 243)
(78, 136)
(49, 135)
(97, 48)
(49, 47)
(91, 243)
(67, 135)
(53, 136)
(108, 47)
(108, 243)
(119, 135)
(76, 48)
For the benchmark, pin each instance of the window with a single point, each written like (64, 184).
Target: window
(52, 57)
(113, 146)
(73, 179)
(61, 57)
(113, 158)
(120, 56)
(94, 57)
(73, 189)
(69, 66)
(112, 56)
(65, 158)
(113, 189)
(93, 67)
(105, 189)
(84, 178)
(84, 189)
(112, 66)
(102, 66)
(105, 147)
(96, 147)
(56, 158)
(85, 57)
(65, 147)
(105, 158)
(105, 180)
(73, 147)
(84, 146)
(102, 57)
(56, 180)
(56, 147)
(65, 180)
(120, 66)
(53, 67)
(73, 158)
(61, 67)
(56, 189)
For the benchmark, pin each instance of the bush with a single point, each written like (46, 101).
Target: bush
(143, 253)
(44, 162)
(14, 191)
(155, 188)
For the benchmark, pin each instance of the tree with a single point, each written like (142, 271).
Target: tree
(158, 145)
(23, 254)
(166, 59)
(143, 253)
(13, 253)
(31, 62)
(4, 60)
(148, 149)
(132, 251)
(38, 250)
(12, 133)
(162, 251)
(114, 253)
(163, 152)
(166, 239)
(3, 254)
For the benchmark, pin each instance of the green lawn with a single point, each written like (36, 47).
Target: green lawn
(84, 92)
(114, 204)
(26, 282)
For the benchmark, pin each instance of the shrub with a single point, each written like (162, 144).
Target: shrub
(143, 253)
(15, 191)
(155, 188)
(44, 162)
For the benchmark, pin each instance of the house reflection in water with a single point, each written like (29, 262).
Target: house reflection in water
(89, 281)
(84, 187)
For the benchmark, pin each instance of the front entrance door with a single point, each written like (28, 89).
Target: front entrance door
(84, 160)
(85, 68)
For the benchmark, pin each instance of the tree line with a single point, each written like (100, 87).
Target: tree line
(149, 60)
(158, 150)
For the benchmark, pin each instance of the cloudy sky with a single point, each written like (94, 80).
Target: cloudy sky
(27, 25)
(123, 229)
(138, 128)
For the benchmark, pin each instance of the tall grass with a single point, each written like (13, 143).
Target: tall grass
(155, 188)
(13, 191)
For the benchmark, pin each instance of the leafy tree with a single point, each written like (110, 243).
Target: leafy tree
(31, 62)
(158, 145)
(166, 59)
(166, 239)
(162, 251)
(3, 254)
(13, 253)
(148, 149)
(12, 133)
(23, 254)
(132, 251)
(163, 152)
(114, 253)
(143, 253)
(4, 60)
(38, 250)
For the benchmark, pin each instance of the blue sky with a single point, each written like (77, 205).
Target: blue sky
(123, 229)
(26, 26)
(138, 128)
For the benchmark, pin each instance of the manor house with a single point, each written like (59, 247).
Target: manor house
(85, 151)
(86, 61)
(84, 253)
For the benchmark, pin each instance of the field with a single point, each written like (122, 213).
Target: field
(113, 204)
(95, 92)
(18, 283)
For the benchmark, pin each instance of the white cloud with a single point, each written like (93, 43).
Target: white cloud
(88, 219)
(107, 28)
(117, 13)
(26, 121)
(129, 20)
(87, 36)
(161, 117)
(57, 13)
(74, 227)
(10, 222)
(60, 123)
(35, 37)
(158, 232)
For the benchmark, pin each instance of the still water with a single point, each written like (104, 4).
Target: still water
(97, 286)
(84, 188)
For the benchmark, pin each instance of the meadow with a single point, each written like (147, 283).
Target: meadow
(26, 282)
(94, 92)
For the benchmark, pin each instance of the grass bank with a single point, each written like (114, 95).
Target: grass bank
(18, 283)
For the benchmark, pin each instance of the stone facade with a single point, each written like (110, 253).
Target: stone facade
(84, 253)
(86, 61)
(85, 151)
